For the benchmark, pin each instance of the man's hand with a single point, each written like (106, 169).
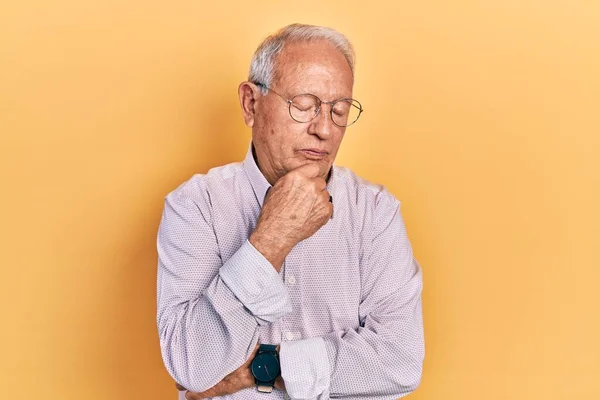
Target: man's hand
(294, 209)
(239, 379)
(279, 384)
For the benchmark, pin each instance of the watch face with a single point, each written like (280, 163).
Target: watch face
(265, 367)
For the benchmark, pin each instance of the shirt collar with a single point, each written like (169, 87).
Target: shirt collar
(259, 183)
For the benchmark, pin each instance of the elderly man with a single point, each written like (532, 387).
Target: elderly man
(285, 276)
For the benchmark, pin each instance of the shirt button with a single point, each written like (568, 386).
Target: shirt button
(291, 280)
(289, 336)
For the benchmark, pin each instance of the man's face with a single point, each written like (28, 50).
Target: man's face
(283, 144)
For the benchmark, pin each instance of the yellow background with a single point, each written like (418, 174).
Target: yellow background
(482, 117)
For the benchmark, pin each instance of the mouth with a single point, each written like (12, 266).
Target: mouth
(313, 154)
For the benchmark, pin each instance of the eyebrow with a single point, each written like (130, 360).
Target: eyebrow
(298, 92)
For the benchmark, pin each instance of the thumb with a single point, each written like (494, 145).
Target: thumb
(309, 170)
(249, 360)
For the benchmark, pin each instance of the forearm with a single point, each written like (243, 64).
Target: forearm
(381, 359)
(204, 338)
(363, 373)
(272, 247)
(363, 365)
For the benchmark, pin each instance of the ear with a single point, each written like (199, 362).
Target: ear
(249, 94)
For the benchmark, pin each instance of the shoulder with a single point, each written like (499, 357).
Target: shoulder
(367, 195)
(196, 191)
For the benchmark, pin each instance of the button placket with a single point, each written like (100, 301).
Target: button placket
(291, 280)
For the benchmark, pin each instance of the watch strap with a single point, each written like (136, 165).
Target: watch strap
(267, 347)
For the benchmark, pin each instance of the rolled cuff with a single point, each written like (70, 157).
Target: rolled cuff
(254, 281)
(305, 369)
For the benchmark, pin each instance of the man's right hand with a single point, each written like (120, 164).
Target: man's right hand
(293, 210)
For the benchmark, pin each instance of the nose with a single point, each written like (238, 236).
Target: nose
(322, 125)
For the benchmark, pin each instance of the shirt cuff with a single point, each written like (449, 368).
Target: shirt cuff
(305, 368)
(254, 281)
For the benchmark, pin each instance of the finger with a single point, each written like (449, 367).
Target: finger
(326, 204)
(279, 383)
(319, 183)
(324, 197)
(191, 395)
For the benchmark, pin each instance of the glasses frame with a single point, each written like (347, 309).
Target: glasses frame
(321, 102)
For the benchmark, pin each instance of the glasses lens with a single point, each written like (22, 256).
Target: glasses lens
(304, 107)
(345, 112)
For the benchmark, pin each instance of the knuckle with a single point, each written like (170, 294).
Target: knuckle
(294, 178)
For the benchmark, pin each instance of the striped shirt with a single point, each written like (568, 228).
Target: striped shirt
(345, 307)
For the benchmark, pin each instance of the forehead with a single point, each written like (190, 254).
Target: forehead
(314, 67)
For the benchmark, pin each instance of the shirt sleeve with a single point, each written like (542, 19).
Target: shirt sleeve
(383, 357)
(305, 368)
(254, 281)
(209, 311)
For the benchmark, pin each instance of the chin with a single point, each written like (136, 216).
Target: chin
(324, 165)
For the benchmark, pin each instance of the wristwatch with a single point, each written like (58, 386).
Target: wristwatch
(265, 367)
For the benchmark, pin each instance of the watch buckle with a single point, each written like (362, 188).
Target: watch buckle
(264, 388)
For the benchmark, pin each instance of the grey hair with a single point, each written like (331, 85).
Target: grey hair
(262, 67)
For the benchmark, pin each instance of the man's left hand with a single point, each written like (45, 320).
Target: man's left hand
(239, 379)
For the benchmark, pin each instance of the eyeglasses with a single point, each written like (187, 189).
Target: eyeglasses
(305, 107)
